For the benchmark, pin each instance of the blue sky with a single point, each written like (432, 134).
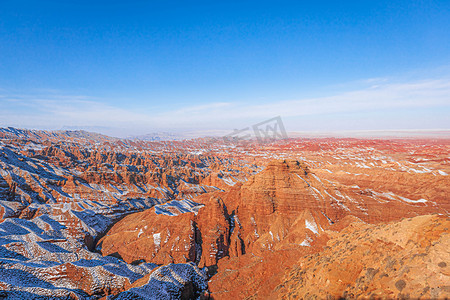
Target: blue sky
(132, 67)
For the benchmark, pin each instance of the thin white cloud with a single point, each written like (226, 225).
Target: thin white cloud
(426, 93)
(56, 111)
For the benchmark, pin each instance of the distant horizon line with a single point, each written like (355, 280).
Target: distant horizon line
(217, 133)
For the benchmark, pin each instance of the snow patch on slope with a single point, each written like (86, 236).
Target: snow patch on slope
(312, 226)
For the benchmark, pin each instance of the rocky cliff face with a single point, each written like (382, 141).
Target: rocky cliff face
(258, 227)
(167, 234)
(286, 212)
(250, 218)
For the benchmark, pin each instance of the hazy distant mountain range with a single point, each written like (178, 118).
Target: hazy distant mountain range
(158, 136)
(33, 134)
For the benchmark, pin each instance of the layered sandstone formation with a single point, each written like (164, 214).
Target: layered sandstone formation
(278, 215)
(59, 195)
(87, 216)
(251, 218)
